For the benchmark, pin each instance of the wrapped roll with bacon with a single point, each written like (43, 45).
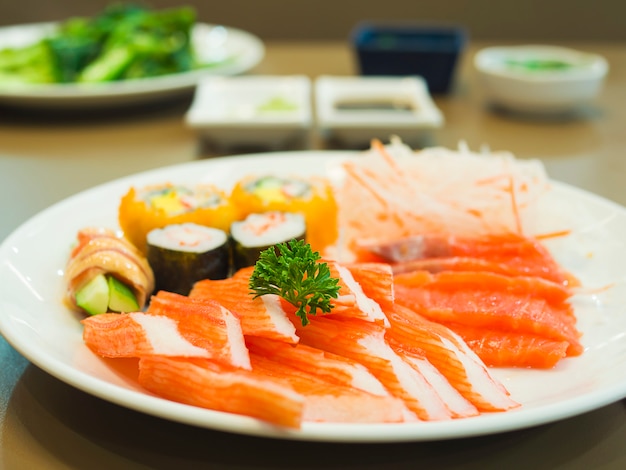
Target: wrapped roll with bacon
(105, 272)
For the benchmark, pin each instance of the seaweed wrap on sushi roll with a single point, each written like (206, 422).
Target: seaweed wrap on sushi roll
(257, 232)
(156, 206)
(313, 197)
(182, 254)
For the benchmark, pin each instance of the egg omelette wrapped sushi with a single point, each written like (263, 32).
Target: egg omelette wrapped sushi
(257, 232)
(182, 254)
(142, 210)
(313, 197)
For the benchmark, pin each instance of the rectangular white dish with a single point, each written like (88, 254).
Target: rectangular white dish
(252, 110)
(355, 110)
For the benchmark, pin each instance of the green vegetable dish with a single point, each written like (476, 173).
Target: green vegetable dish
(124, 41)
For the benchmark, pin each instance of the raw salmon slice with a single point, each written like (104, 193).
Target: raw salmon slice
(327, 401)
(451, 356)
(513, 253)
(365, 343)
(502, 349)
(489, 308)
(138, 334)
(262, 316)
(206, 324)
(206, 384)
(330, 367)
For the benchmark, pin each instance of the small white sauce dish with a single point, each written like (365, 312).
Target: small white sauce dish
(354, 110)
(260, 110)
(540, 78)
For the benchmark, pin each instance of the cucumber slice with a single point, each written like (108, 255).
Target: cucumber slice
(121, 298)
(93, 297)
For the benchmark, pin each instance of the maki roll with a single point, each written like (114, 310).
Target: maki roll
(142, 210)
(183, 254)
(312, 197)
(257, 232)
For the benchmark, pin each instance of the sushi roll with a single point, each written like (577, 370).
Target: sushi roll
(106, 273)
(182, 254)
(312, 197)
(257, 232)
(142, 210)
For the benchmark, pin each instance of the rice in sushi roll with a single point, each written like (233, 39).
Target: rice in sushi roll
(157, 206)
(183, 254)
(313, 197)
(257, 232)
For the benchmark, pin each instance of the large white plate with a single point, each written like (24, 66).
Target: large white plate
(34, 320)
(233, 51)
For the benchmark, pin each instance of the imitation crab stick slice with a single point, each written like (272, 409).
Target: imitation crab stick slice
(459, 406)
(488, 307)
(330, 367)
(262, 316)
(502, 349)
(352, 301)
(206, 384)
(452, 357)
(137, 334)
(376, 281)
(205, 323)
(364, 342)
(328, 401)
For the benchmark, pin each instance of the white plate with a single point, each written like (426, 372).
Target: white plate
(34, 320)
(237, 52)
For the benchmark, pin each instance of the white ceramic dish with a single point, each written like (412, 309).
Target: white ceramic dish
(34, 320)
(356, 109)
(251, 110)
(510, 80)
(231, 50)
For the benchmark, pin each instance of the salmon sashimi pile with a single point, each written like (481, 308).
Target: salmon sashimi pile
(436, 277)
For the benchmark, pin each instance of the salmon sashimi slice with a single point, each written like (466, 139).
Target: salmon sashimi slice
(490, 308)
(206, 324)
(137, 334)
(459, 406)
(376, 281)
(365, 343)
(328, 401)
(207, 384)
(352, 300)
(451, 356)
(262, 316)
(510, 252)
(330, 367)
(502, 349)
(537, 287)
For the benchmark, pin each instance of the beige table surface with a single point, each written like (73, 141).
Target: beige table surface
(45, 157)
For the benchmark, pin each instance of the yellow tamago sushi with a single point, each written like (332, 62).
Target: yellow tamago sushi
(151, 207)
(312, 197)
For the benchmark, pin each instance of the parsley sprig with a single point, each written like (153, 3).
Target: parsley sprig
(292, 271)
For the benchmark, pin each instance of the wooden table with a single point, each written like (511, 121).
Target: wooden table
(45, 157)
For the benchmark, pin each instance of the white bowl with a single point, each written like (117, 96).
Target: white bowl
(355, 110)
(252, 110)
(538, 78)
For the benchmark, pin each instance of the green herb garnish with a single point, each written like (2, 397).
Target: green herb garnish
(291, 270)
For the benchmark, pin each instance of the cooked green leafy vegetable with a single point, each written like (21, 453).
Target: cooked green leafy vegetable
(124, 41)
(292, 271)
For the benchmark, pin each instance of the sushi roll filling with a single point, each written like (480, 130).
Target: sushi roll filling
(188, 237)
(268, 228)
(276, 189)
(174, 200)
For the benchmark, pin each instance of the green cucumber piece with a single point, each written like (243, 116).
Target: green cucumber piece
(121, 298)
(93, 297)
